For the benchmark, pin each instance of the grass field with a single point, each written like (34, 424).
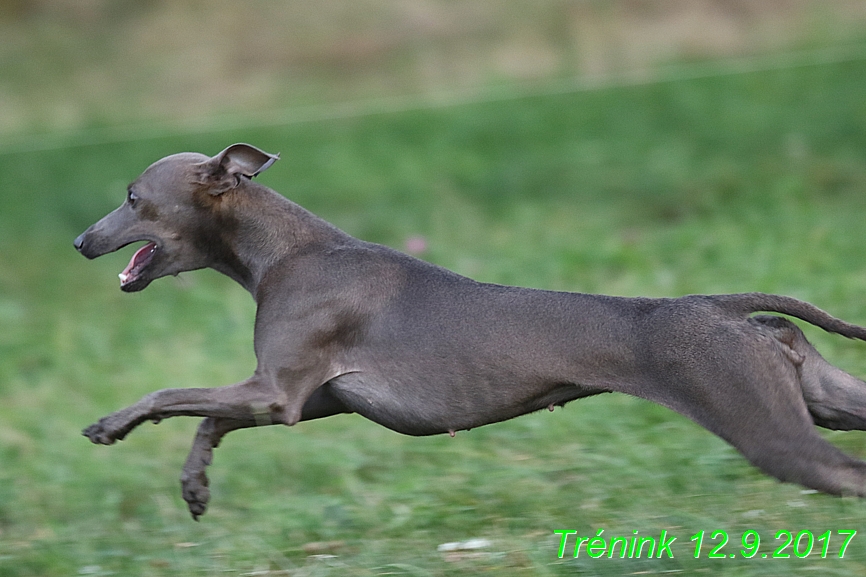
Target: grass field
(738, 183)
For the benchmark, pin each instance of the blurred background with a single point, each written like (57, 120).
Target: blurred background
(71, 64)
(629, 147)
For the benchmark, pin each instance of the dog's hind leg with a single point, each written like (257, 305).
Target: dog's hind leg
(752, 397)
(836, 400)
(796, 453)
(194, 481)
(780, 438)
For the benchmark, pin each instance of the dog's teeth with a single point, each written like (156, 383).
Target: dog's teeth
(123, 276)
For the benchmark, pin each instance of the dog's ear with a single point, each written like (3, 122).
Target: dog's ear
(224, 171)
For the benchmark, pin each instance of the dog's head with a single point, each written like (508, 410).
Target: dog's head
(174, 206)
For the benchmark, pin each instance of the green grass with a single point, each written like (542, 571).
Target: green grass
(749, 182)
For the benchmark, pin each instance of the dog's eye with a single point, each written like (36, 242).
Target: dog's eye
(131, 197)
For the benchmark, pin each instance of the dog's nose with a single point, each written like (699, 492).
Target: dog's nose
(79, 242)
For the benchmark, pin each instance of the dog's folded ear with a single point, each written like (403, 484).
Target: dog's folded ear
(224, 171)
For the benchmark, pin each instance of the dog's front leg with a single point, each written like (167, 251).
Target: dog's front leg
(252, 400)
(194, 481)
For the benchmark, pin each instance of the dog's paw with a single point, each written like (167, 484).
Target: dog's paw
(100, 434)
(195, 492)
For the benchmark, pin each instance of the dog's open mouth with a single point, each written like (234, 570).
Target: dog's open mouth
(137, 264)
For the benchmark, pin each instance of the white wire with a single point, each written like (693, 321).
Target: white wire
(59, 140)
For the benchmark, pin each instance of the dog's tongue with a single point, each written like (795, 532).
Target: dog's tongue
(140, 257)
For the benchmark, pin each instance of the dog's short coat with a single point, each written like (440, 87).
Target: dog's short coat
(348, 326)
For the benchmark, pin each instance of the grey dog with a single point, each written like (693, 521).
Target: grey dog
(345, 326)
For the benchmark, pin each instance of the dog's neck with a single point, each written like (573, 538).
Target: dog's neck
(258, 229)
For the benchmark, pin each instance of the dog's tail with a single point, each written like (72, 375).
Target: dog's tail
(748, 303)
